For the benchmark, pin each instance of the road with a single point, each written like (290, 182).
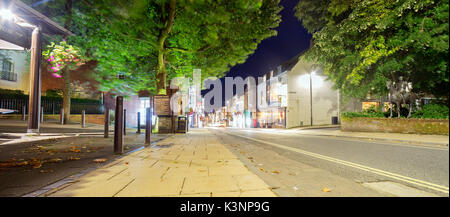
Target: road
(392, 168)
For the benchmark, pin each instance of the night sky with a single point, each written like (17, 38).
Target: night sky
(291, 40)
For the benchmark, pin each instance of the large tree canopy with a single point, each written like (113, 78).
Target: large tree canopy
(151, 42)
(364, 43)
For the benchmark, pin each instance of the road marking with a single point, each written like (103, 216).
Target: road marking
(395, 176)
(365, 140)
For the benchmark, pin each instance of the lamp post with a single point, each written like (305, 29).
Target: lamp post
(310, 94)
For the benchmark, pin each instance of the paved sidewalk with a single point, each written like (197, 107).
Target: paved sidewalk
(14, 131)
(440, 140)
(187, 165)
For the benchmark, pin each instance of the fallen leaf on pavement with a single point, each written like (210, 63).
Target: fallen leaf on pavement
(23, 163)
(276, 172)
(46, 171)
(37, 165)
(55, 160)
(326, 190)
(100, 160)
(8, 164)
(73, 158)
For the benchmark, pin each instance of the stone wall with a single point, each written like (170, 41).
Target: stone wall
(396, 125)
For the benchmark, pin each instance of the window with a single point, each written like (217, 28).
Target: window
(7, 71)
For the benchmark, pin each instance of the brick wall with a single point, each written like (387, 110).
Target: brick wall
(396, 125)
(90, 118)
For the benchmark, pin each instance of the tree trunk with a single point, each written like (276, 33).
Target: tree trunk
(66, 95)
(66, 72)
(163, 34)
(161, 74)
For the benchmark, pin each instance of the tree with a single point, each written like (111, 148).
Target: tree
(364, 43)
(158, 40)
(60, 11)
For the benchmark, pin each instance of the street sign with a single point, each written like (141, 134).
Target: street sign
(161, 105)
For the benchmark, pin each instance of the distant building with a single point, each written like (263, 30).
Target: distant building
(295, 94)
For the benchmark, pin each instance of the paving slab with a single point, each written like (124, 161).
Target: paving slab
(195, 164)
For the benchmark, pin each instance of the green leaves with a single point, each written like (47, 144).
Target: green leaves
(364, 43)
(127, 37)
(63, 55)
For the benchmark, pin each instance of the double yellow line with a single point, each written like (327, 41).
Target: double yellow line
(395, 176)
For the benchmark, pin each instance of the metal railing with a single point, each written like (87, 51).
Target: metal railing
(51, 106)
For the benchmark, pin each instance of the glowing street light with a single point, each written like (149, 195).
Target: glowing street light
(6, 14)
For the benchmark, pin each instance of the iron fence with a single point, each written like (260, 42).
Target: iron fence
(51, 106)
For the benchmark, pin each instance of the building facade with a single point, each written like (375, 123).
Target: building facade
(14, 74)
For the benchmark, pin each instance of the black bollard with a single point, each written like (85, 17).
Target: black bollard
(83, 119)
(148, 126)
(61, 116)
(23, 112)
(118, 126)
(138, 123)
(124, 122)
(106, 123)
(42, 114)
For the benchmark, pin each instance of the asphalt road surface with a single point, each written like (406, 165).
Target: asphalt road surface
(361, 160)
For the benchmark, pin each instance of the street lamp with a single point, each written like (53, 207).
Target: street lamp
(310, 93)
(35, 72)
(7, 14)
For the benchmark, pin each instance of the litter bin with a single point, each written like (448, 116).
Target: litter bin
(181, 124)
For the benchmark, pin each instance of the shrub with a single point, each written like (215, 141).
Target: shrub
(432, 110)
(371, 112)
(11, 92)
(53, 93)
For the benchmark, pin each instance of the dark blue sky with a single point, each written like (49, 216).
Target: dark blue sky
(291, 40)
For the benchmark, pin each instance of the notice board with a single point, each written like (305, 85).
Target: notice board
(161, 104)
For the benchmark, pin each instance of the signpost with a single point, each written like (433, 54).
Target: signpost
(161, 105)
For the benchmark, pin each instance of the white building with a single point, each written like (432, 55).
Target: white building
(14, 71)
(310, 97)
(298, 94)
